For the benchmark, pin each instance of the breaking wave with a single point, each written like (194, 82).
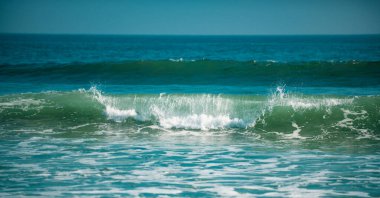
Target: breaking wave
(280, 114)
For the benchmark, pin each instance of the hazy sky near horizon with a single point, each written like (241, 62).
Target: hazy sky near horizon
(203, 17)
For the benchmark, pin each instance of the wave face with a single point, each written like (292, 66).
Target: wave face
(277, 116)
(206, 72)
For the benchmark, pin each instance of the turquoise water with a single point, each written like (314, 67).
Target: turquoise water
(191, 116)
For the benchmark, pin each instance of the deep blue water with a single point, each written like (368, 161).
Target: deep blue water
(189, 116)
(30, 49)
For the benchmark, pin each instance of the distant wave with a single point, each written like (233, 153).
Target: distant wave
(350, 74)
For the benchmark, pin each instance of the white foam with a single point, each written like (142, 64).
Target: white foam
(176, 60)
(272, 61)
(78, 126)
(348, 122)
(153, 190)
(226, 191)
(202, 121)
(111, 111)
(22, 102)
(311, 103)
(258, 188)
(180, 60)
(64, 176)
(269, 160)
(120, 115)
(203, 112)
(296, 132)
(107, 193)
(281, 98)
(88, 161)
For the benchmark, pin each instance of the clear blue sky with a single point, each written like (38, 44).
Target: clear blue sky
(215, 17)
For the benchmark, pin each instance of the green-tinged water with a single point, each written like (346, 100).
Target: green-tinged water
(276, 116)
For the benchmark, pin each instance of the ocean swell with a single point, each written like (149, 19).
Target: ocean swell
(202, 72)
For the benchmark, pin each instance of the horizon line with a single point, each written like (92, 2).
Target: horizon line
(106, 34)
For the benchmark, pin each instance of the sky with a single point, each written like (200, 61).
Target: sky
(190, 17)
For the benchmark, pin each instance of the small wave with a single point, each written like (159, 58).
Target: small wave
(200, 72)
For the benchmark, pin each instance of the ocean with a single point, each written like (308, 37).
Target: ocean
(189, 116)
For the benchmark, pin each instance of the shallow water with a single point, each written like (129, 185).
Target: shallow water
(183, 165)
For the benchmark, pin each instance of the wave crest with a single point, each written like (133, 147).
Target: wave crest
(202, 112)
(213, 112)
